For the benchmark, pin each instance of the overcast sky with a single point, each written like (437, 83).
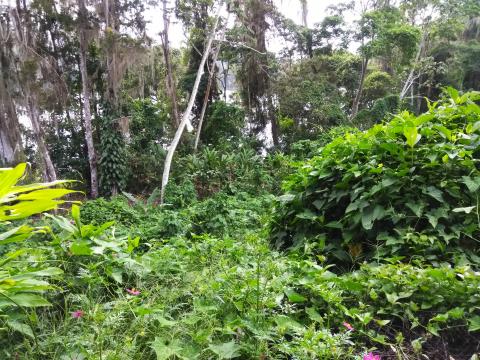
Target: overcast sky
(290, 8)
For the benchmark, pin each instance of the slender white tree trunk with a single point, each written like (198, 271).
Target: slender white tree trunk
(87, 116)
(411, 76)
(211, 78)
(188, 110)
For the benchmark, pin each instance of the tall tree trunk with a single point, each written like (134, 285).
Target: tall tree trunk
(112, 28)
(358, 96)
(304, 4)
(25, 39)
(205, 100)
(49, 169)
(211, 78)
(171, 85)
(11, 149)
(188, 110)
(87, 116)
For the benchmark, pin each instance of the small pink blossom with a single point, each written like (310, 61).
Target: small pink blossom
(77, 314)
(348, 326)
(133, 291)
(371, 356)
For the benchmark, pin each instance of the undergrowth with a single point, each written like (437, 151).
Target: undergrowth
(381, 230)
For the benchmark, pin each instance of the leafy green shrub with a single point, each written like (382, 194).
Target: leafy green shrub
(213, 170)
(145, 220)
(117, 209)
(224, 215)
(180, 195)
(223, 123)
(305, 149)
(379, 110)
(159, 224)
(88, 248)
(378, 84)
(405, 187)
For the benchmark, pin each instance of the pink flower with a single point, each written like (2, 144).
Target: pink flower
(371, 356)
(133, 291)
(77, 314)
(348, 326)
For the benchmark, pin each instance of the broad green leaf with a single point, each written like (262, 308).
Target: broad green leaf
(228, 350)
(81, 247)
(434, 193)
(367, 218)
(473, 184)
(412, 135)
(18, 202)
(286, 323)
(11, 256)
(417, 208)
(117, 275)
(319, 204)
(434, 328)
(307, 215)
(23, 299)
(294, 297)
(474, 323)
(51, 271)
(22, 328)
(370, 214)
(432, 219)
(417, 345)
(8, 178)
(286, 198)
(16, 234)
(314, 315)
(164, 322)
(76, 214)
(444, 131)
(166, 349)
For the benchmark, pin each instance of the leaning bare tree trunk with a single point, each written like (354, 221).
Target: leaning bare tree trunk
(410, 79)
(211, 77)
(188, 110)
(49, 173)
(171, 87)
(87, 116)
(356, 101)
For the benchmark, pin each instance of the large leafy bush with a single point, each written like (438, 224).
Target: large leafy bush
(22, 281)
(404, 187)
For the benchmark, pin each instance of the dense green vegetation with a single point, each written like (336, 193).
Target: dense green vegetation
(244, 180)
(197, 278)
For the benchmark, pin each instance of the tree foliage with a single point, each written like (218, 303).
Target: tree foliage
(406, 186)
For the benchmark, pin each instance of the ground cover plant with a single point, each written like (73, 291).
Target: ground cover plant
(244, 179)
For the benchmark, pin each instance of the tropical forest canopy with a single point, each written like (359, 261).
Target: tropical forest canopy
(252, 188)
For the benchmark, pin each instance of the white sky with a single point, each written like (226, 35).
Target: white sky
(290, 8)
